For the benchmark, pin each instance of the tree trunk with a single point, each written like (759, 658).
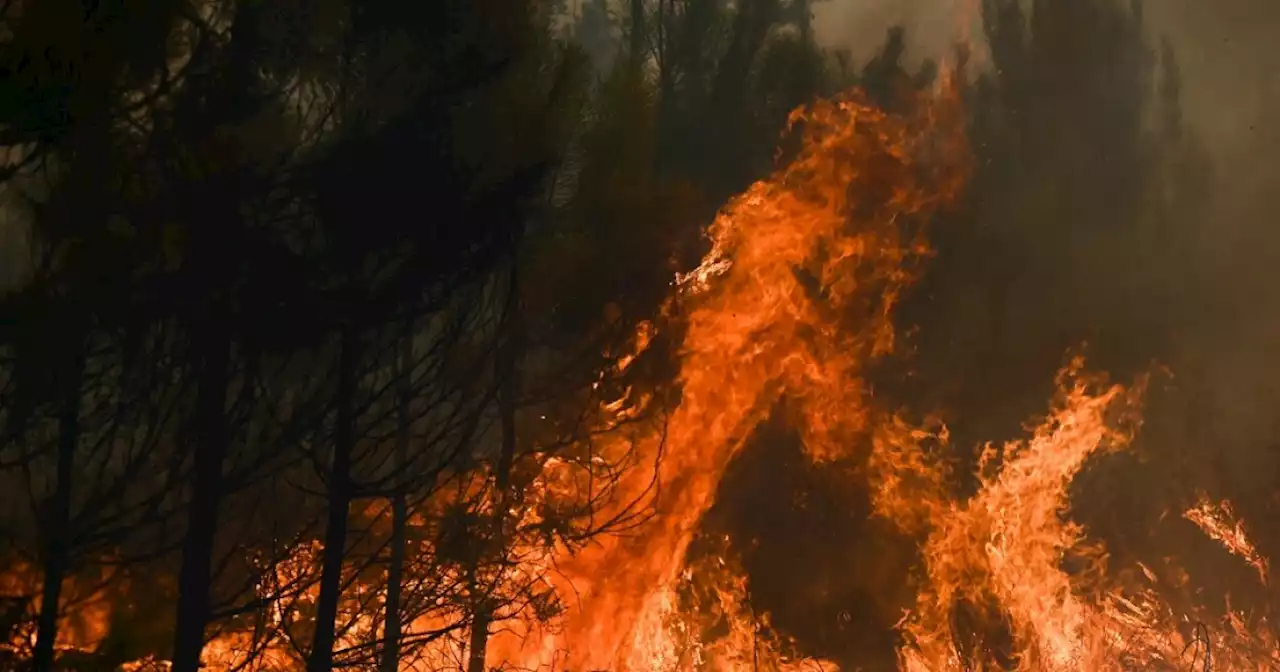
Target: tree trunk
(215, 250)
(479, 643)
(395, 577)
(57, 551)
(637, 33)
(507, 373)
(340, 494)
(214, 353)
(399, 516)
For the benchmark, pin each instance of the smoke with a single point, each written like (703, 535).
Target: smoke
(1225, 48)
(1231, 95)
(1228, 342)
(859, 25)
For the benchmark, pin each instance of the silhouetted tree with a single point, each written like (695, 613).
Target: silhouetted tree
(402, 268)
(337, 282)
(72, 81)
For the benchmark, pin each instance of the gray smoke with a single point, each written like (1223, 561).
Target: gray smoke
(1231, 99)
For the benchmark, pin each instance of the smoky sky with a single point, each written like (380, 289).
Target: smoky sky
(1231, 81)
(1226, 50)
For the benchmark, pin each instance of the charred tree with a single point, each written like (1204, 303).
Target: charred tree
(213, 354)
(215, 199)
(58, 530)
(507, 375)
(636, 51)
(390, 659)
(341, 493)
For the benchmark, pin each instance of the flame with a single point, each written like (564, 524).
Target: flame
(793, 302)
(1219, 522)
(712, 595)
(1008, 542)
(85, 608)
(795, 296)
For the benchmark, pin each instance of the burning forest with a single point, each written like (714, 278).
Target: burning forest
(647, 336)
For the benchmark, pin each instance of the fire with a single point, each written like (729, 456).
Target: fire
(795, 297)
(1007, 543)
(793, 301)
(86, 603)
(789, 308)
(1219, 522)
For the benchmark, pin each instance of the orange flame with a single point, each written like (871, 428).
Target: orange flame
(1220, 523)
(794, 298)
(1008, 542)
